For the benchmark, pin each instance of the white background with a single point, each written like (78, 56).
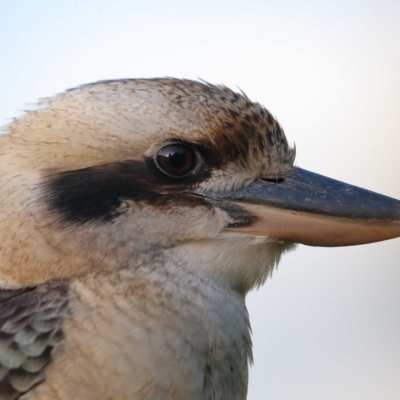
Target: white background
(327, 325)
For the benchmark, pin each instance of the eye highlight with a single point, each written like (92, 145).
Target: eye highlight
(176, 160)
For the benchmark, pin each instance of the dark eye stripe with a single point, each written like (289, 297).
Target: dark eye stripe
(95, 194)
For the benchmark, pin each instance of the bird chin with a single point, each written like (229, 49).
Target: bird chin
(241, 261)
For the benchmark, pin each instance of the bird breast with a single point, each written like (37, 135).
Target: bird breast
(127, 327)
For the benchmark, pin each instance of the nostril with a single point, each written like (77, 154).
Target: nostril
(275, 179)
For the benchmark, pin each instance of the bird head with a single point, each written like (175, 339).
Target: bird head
(116, 171)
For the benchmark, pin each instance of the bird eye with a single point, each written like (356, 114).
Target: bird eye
(176, 160)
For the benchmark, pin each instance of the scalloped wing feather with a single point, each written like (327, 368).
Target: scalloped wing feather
(30, 328)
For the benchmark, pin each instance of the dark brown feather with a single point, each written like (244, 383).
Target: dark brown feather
(30, 327)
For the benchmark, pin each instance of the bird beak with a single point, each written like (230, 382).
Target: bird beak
(315, 210)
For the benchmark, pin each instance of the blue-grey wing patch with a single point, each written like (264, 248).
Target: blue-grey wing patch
(30, 327)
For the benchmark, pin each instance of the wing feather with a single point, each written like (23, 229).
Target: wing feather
(30, 327)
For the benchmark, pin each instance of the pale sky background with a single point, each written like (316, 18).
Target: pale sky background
(327, 325)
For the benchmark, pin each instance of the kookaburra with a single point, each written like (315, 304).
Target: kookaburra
(135, 215)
